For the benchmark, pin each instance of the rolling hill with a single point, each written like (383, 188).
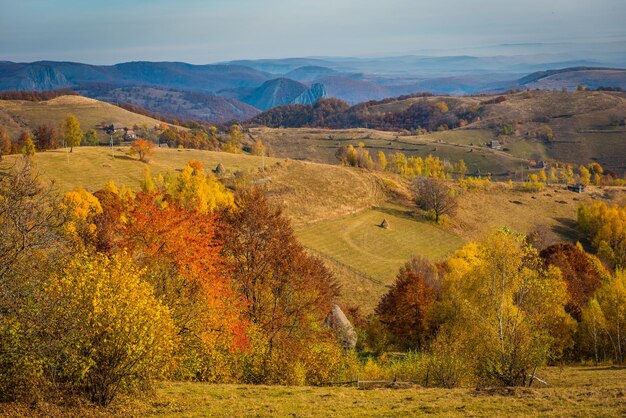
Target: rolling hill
(587, 126)
(17, 115)
(570, 78)
(336, 210)
(185, 105)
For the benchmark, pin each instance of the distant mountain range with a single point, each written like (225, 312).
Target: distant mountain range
(239, 90)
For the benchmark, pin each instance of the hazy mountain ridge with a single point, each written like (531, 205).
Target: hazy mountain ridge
(174, 103)
(239, 89)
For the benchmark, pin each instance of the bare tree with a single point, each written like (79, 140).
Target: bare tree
(433, 194)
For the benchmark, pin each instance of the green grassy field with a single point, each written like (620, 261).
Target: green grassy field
(572, 392)
(93, 167)
(357, 241)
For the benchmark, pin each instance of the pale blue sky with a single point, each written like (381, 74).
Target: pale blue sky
(205, 31)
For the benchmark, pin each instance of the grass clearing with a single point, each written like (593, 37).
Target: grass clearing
(481, 212)
(358, 242)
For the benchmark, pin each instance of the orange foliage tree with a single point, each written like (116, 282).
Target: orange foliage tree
(405, 309)
(181, 253)
(580, 273)
(288, 292)
(142, 148)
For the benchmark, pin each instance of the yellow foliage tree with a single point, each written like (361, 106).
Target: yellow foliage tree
(605, 226)
(235, 139)
(611, 316)
(258, 148)
(70, 131)
(80, 207)
(105, 330)
(192, 189)
(505, 309)
(381, 161)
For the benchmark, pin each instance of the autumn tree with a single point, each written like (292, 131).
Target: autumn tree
(28, 149)
(258, 148)
(504, 309)
(46, 137)
(605, 227)
(191, 189)
(29, 220)
(143, 149)
(460, 168)
(585, 175)
(71, 133)
(579, 272)
(168, 135)
(235, 139)
(105, 331)
(22, 139)
(381, 161)
(605, 318)
(287, 291)
(404, 309)
(91, 138)
(179, 248)
(592, 332)
(435, 195)
(397, 163)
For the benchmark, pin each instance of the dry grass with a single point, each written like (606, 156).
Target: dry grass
(310, 192)
(573, 392)
(92, 167)
(480, 212)
(20, 114)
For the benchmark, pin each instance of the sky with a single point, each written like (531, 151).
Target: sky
(207, 31)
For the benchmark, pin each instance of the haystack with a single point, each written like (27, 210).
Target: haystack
(220, 169)
(384, 224)
(344, 331)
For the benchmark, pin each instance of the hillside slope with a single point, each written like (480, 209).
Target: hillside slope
(336, 211)
(585, 126)
(17, 115)
(570, 78)
(174, 103)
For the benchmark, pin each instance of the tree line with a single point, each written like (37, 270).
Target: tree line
(336, 114)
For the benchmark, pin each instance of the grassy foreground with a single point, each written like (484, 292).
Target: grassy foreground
(572, 392)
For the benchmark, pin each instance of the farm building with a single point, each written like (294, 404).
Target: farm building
(495, 144)
(578, 188)
(129, 135)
